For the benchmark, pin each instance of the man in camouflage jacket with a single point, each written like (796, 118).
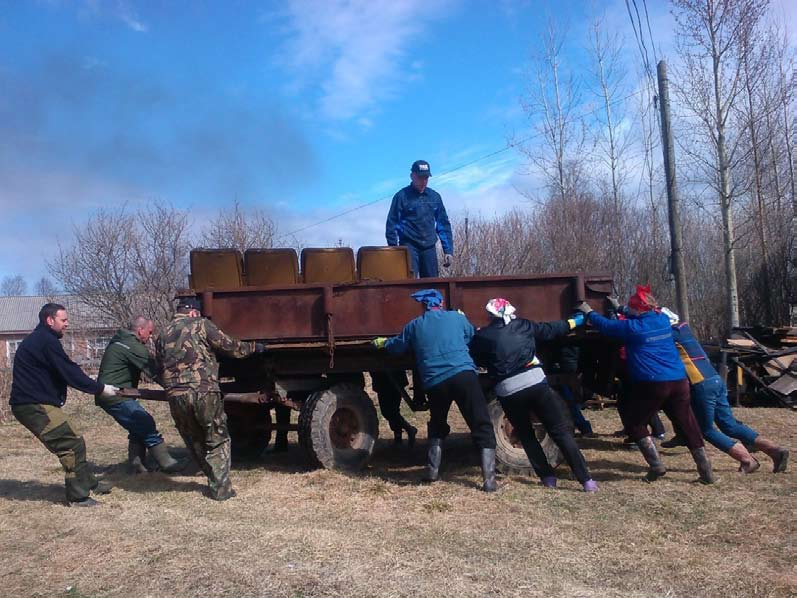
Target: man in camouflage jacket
(186, 350)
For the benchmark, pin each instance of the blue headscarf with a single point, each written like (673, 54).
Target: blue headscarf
(429, 297)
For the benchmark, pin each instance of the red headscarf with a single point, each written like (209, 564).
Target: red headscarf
(642, 300)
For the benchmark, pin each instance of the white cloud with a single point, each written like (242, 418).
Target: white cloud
(356, 52)
(118, 10)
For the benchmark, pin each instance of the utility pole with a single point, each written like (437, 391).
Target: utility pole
(673, 208)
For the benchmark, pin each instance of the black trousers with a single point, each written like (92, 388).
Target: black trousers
(549, 408)
(387, 388)
(464, 390)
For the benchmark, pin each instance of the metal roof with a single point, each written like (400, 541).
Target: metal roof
(21, 314)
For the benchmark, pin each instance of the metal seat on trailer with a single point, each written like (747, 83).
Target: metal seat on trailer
(328, 264)
(271, 267)
(216, 268)
(384, 263)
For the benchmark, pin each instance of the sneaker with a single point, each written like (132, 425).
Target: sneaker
(590, 486)
(674, 441)
(630, 444)
(549, 482)
(86, 502)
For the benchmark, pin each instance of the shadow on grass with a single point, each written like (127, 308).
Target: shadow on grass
(32, 490)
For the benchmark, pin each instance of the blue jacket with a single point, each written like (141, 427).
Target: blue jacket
(42, 371)
(439, 340)
(418, 219)
(698, 366)
(650, 350)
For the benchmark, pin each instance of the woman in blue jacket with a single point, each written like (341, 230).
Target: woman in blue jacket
(439, 339)
(507, 348)
(658, 379)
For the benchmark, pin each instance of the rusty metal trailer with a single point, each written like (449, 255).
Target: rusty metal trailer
(318, 338)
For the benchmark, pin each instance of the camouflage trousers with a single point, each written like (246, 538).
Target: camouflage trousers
(49, 424)
(201, 421)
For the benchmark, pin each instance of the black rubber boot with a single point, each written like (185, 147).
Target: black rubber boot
(433, 458)
(488, 470)
(136, 456)
(703, 466)
(648, 449)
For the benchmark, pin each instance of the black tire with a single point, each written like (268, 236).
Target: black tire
(510, 457)
(250, 430)
(338, 427)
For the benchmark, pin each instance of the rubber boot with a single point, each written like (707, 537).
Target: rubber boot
(651, 455)
(433, 458)
(86, 502)
(165, 461)
(136, 456)
(411, 430)
(102, 487)
(703, 466)
(281, 442)
(748, 463)
(488, 470)
(779, 455)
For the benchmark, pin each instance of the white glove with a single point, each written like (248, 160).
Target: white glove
(448, 259)
(108, 391)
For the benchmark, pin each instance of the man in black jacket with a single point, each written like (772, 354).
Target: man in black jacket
(42, 371)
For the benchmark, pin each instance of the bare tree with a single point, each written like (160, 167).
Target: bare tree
(122, 263)
(240, 228)
(710, 36)
(45, 287)
(550, 104)
(13, 286)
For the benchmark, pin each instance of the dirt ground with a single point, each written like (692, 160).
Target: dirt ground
(293, 531)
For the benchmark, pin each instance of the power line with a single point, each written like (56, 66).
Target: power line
(460, 167)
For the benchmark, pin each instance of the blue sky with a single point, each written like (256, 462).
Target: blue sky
(304, 108)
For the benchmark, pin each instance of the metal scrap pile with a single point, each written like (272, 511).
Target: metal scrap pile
(766, 363)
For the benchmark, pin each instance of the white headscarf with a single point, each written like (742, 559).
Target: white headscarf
(674, 319)
(501, 308)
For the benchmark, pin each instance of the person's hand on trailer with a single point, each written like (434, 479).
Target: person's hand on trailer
(379, 342)
(576, 320)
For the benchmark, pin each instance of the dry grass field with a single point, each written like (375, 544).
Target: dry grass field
(294, 532)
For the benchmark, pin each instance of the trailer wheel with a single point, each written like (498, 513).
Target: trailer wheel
(509, 454)
(338, 427)
(250, 430)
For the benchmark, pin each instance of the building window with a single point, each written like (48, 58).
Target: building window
(96, 347)
(11, 350)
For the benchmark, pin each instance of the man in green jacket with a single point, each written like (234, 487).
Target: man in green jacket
(122, 363)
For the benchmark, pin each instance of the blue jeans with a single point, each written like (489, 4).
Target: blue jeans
(710, 404)
(424, 261)
(135, 419)
(582, 423)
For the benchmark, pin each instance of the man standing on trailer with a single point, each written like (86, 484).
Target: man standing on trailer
(187, 351)
(417, 218)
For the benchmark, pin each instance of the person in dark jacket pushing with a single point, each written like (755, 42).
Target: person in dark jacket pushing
(439, 339)
(125, 358)
(507, 349)
(658, 379)
(417, 217)
(41, 373)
